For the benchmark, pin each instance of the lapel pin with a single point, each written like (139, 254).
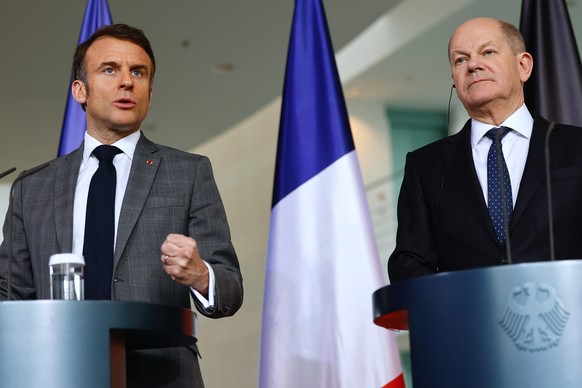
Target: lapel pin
(149, 161)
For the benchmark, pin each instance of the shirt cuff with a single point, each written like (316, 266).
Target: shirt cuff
(207, 303)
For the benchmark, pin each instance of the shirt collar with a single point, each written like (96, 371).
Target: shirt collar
(521, 121)
(126, 145)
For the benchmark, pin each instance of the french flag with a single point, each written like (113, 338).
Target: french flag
(97, 15)
(322, 260)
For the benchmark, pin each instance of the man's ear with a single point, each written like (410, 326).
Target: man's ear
(525, 66)
(79, 91)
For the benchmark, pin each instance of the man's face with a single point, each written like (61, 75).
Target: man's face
(486, 72)
(119, 88)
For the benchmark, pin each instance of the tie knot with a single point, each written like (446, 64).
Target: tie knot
(492, 133)
(106, 152)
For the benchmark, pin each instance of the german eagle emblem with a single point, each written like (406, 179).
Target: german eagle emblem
(534, 317)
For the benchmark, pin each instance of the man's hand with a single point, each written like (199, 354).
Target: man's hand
(183, 262)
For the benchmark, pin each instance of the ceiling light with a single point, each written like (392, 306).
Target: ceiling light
(222, 68)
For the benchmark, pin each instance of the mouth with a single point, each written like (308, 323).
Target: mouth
(124, 103)
(478, 81)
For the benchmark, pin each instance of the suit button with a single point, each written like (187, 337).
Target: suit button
(225, 308)
(504, 260)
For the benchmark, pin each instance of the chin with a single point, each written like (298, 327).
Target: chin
(125, 127)
(479, 98)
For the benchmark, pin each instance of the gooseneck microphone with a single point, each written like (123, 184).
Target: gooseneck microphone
(9, 171)
(498, 135)
(549, 189)
(20, 177)
(449, 109)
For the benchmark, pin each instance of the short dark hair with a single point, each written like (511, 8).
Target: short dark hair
(117, 31)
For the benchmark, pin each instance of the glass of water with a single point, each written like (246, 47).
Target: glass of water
(66, 276)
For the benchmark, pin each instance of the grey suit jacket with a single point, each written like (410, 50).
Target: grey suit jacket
(168, 191)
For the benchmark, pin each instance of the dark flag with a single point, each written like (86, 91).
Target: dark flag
(554, 89)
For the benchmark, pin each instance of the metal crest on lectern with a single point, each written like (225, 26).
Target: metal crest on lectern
(534, 317)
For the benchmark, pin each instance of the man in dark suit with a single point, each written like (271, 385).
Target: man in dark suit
(445, 208)
(172, 240)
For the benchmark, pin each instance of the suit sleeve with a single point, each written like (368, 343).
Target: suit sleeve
(415, 253)
(22, 281)
(209, 227)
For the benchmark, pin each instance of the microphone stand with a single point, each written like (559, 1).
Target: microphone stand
(549, 190)
(9, 171)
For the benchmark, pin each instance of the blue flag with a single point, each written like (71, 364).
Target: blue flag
(74, 123)
(554, 89)
(312, 101)
(322, 260)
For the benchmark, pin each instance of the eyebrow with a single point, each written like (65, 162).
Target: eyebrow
(139, 66)
(480, 47)
(108, 64)
(142, 66)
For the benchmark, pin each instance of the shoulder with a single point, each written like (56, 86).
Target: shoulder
(435, 148)
(50, 168)
(451, 142)
(146, 146)
(172, 161)
(541, 124)
(571, 130)
(562, 139)
(174, 153)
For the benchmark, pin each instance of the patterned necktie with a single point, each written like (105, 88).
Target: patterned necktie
(494, 197)
(100, 226)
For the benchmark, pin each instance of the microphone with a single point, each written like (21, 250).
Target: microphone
(503, 195)
(20, 177)
(549, 189)
(449, 108)
(9, 171)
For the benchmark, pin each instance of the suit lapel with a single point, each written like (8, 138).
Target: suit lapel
(458, 157)
(67, 172)
(144, 167)
(534, 171)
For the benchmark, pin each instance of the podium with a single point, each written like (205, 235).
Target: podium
(509, 326)
(52, 343)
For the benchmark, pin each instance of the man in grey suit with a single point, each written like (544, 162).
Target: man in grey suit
(172, 240)
(448, 218)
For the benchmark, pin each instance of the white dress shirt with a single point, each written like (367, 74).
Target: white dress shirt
(122, 163)
(515, 146)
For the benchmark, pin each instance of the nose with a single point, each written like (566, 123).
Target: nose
(126, 81)
(474, 64)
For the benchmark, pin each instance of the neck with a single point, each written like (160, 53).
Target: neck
(109, 136)
(495, 113)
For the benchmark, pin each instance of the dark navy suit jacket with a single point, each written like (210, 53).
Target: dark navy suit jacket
(443, 221)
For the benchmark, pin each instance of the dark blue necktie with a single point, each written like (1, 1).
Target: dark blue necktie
(494, 197)
(100, 226)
